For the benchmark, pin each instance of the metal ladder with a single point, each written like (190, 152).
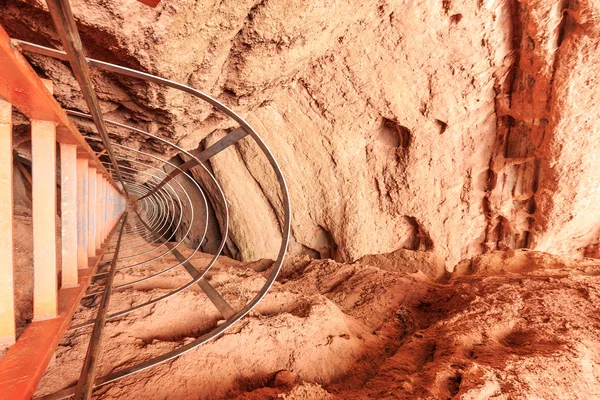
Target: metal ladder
(119, 211)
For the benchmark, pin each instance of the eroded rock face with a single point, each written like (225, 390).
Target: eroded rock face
(456, 127)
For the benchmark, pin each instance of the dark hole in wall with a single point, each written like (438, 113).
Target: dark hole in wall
(325, 244)
(454, 384)
(518, 142)
(567, 23)
(402, 136)
(455, 19)
(420, 239)
(592, 251)
(442, 125)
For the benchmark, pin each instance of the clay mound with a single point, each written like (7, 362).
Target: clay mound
(335, 331)
(519, 335)
(523, 262)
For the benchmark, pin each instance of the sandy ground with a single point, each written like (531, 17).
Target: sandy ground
(516, 325)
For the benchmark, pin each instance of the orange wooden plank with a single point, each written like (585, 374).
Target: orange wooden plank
(7, 303)
(92, 211)
(151, 3)
(20, 86)
(69, 229)
(82, 212)
(43, 193)
(23, 366)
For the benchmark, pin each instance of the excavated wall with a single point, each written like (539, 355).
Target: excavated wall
(456, 127)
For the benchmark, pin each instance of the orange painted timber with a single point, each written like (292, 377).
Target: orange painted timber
(7, 302)
(107, 210)
(91, 212)
(43, 162)
(111, 207)
(98, 210)
(151, 3)
(23, 366)
(68, 191)
(103, 212)
(20, 86)
(82, 212)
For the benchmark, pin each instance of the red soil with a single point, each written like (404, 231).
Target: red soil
(506, 325)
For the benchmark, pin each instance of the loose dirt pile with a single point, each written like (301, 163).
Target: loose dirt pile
(504, 325)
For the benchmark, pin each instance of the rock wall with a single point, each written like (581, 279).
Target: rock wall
(456, 127)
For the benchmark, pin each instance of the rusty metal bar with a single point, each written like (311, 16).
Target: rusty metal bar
(202, 156)
(43, 161)
(285, 223)
(68, 209)
(38, 343)
(24, 172)
(61, 13)
(85, 384)
(7, 302)
(219, 302)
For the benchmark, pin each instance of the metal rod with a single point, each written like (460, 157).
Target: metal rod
(61, 13)
(216, 148)
(285, 223)
(219, 302)
(85, 384)
(24, 172)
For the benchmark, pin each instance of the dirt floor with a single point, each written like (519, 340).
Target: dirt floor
(507, 325)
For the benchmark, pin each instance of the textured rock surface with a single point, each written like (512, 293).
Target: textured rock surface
(451, 126)
(519, 325)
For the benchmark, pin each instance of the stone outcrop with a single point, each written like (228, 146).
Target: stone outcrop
(455, 127)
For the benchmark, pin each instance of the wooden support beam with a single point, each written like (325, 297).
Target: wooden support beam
(85, 383)
(68, 190)
(20, 86)
(107, 209)
(151, 3)
(82, 212)
(98, 210)
(115, 208)
(103, 210)
(43, 161)
(92, 212)
(7, 302)
(18, 379)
